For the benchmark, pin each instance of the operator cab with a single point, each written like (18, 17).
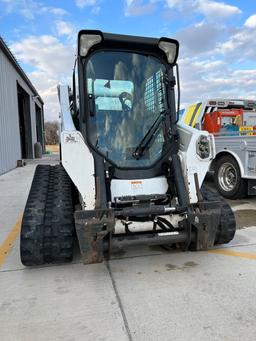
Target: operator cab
(127, 98)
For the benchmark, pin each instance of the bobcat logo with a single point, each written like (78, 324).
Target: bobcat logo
(69, 138)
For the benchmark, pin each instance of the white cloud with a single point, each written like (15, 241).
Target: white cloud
(213, 9)
(251, 21)
(199, 38)
(239, 47)
(86, 3)
(46, 53)
(129, 2)
(53, 62)
(65, 28)
(95, 10)
(57, 11)
(139, 7)
(173, 3)
(206, 79)
(214, 62)
(210, 51)
(47, 87)
(217, 61)
(209, 8)
(30, 8)
(93, 4)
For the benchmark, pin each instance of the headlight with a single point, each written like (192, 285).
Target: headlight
(87, 41)
(203, 147)
(170, 48)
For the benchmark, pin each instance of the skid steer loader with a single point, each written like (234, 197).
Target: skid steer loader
(129, 173)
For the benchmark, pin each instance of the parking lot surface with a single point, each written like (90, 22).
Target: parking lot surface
(141, 294)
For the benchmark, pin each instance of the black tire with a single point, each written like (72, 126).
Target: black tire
(222, 181)
(47, 230)
(227, 227)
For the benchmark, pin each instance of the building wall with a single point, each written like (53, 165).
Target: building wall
(10, 146)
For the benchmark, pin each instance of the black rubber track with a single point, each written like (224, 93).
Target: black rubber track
(47, 230)
(227, 227)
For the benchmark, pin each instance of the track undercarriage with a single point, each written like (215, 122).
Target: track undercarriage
(48, 232)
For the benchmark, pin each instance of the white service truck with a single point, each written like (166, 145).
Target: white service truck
(233, 124)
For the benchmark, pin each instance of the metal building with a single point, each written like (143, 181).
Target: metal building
(21, 112)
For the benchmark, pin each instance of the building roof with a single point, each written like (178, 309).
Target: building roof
(14, 62)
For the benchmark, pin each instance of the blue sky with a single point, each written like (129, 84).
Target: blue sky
(218, 44)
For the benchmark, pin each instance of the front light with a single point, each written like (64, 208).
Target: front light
(87, 41)
(170, 49)
(203, 147)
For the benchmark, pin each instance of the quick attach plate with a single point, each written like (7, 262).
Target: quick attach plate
(91, 227)
(206, 221)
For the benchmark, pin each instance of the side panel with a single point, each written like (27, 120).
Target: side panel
(75, 155)
(79, 164)
(191, 162)
(243, 149)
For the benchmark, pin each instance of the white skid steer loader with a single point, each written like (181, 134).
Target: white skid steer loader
(129, 173)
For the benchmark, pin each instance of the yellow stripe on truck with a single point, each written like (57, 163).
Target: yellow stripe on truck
(195, 114)
(192, 114)
(189, 113)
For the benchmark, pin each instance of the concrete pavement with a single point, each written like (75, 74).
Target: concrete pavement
(143, 294)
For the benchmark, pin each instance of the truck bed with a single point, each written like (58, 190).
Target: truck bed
(243, 148)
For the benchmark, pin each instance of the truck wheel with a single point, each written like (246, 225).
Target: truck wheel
(228, 179)
(227, 226)
(47, 230)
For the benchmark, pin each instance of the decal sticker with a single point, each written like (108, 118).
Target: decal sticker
(71, 138)
(136, 185)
